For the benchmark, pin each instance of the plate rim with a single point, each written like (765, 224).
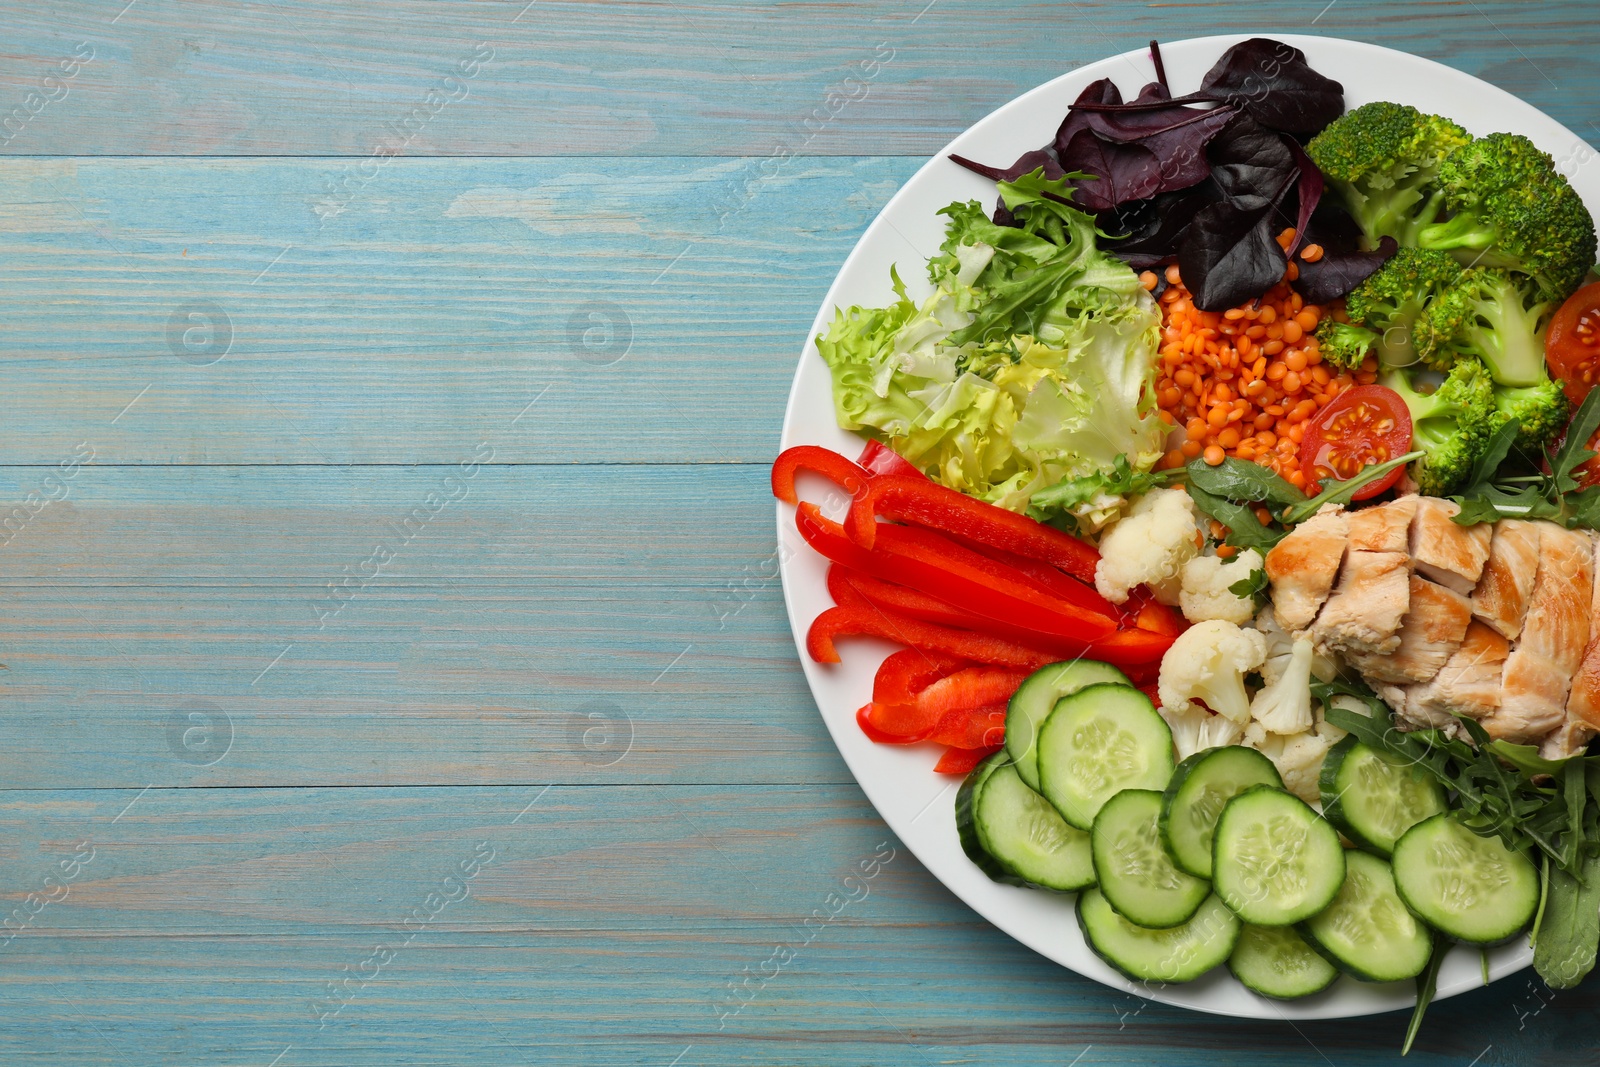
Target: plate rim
(1460, 974)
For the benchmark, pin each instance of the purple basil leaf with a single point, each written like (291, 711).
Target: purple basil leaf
(1273, 82)
(1118, 172)
(1161, 68)
(1336, 273)
(1248, 159)
(1228, 254)
(1027, 163)
(1003, 215)
(1308, 191)
(1150, 231)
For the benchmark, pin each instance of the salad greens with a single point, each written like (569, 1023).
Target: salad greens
(1027, 376)
(1492, 494)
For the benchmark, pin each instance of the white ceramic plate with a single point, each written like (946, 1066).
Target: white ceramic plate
(918, 804)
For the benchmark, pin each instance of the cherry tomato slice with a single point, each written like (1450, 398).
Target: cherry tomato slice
(1361, 426)
(1572, 347)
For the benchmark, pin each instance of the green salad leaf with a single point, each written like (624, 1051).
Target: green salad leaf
(1027, 373)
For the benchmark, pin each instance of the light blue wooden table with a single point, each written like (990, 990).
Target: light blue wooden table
(394, 672)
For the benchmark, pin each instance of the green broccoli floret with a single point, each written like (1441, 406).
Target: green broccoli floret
(1511, 208)
(1452, 424)
(1384, 160)
(1541, 411)
(1492, 315)
(1390, 301)
(1344, 344)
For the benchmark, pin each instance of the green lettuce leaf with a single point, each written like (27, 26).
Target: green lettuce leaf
(1025, 377)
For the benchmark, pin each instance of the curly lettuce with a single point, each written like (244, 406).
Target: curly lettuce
(1026, 378)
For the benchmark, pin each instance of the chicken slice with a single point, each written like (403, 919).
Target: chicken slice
(1584, 703)
(1445, 551)
(1568, 739)
(1304, 564)
(1501, 596)
(1433, 628)
(1554, 635)
(1469, 682)
(1383, 528)
(1364, 612)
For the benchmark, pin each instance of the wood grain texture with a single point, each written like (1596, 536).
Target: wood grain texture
(423, 317)
(652, 78)
(604, 926)
(538, 596)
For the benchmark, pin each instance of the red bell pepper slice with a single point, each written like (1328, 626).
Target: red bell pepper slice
(876, 459)
(848, 586)
(1158, 618)
(965, 579)
(1130, 647)
(893, 724)
(876, 622)
(1050, 578)
(962, 760)
(832, 466)
(971, 727)
(958, 576)
(926, 503)
(968, 688)
(904, 674)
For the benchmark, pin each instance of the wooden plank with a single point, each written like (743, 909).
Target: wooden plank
(602, 926)
(645, 78)
(202, 312)
(503, 620)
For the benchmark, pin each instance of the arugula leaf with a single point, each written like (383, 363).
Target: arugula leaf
(1569, 931)
(1575, 446)
(1341, 492)
(1427, 984)
(1242, 482)
(1244, 529)
(1253, 588)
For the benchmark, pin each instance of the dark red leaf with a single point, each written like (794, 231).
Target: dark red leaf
(1336, 273)
(1274, 83)
(1229, 255)
(1119, 172)
(1309, 193)
(1027, 163)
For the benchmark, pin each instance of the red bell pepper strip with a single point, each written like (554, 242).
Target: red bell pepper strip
(1130, 647)
(962, 760)
(876, 622)
(926, 503)
(876, 459)
(971, 727)
(846, 585)
(904, 674)
(968, 688)
(1063, 585)
(965, 579)
(1158, 618)
(958, 576)
(1151, 691)
(893, 724)
(832, 466)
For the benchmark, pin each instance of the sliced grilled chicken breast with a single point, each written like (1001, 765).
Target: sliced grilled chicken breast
(1540, 668)
(1434, 626)
(1501, 596)
(1364, 612)
(1584, 702)
(1304, 564)
(1444, 551)
(1470, 680)
(1384, 528)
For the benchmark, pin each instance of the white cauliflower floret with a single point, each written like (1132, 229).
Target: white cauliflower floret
(1194, 729)
(1205, 594)
(1298, 758)
(1332, 733)
(1148, 547)
(1208, 662)
(1280, 646)
(1284, 706)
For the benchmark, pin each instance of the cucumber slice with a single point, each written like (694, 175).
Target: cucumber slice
(1472, 888)
(1015, 836)
(1373, 797)
(1276, 962)
(1201, 786)
(1274, 860)
(1036, 697)
(1135, 873)
(1367, 931)
(1177, 954)
(1097, 742)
